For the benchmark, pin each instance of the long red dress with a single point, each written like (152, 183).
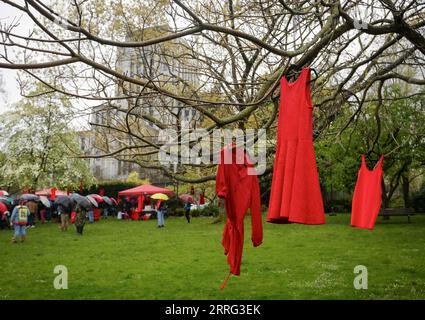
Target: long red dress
(240, 191)
(295, 193)
(367, 196)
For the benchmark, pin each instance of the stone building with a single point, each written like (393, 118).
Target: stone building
(153, 62)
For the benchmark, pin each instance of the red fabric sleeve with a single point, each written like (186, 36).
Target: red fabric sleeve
(256, 217)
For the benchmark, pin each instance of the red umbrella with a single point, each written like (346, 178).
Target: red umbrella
(114, 201)
(187, 198)
(4, 193)
(3, 207)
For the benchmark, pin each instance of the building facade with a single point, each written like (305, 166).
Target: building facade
(165, 71)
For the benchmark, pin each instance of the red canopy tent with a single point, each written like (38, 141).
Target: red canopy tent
(48, 192)
(145, 189)
(140, 191)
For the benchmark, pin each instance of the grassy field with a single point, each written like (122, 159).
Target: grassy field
(135, 260)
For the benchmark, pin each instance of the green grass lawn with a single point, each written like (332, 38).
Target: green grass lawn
(135, 260)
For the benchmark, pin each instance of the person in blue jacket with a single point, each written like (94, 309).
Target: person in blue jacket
(19, 220)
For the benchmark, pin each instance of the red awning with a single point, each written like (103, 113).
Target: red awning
(145, 189)
(48, 192)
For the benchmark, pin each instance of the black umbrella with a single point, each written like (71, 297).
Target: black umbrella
(81, 200)
(29, 197)
(64, 201)
(45, 201)
(108, 201)
(93, 202)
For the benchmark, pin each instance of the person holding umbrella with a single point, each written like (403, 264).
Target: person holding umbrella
(187, 206)
(107, 204)
(188, 200)
(19, 220)
(33, 207)
(80, 218)
(64, 208)
(31, 203)
(43, 205)
(64, 213)
(161, 207)
(160, 211)
(82, 204)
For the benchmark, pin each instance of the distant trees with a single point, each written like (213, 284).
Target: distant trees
(390, 124)
(40, 147)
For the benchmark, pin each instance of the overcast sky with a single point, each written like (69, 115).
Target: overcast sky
(11, 95)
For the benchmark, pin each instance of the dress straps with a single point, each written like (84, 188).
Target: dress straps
(364, 161)
(378, 164)
(308, 74)
(381, 159)
(300, 78)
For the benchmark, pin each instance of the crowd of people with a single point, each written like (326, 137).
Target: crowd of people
(37, 213)
(22, 214)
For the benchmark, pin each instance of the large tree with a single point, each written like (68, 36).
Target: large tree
(239, 50)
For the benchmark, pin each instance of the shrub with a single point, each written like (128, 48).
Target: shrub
(178, 212)
(210, 210)
(418, 200)
(196, 212)
(338, 205)
(175, 205)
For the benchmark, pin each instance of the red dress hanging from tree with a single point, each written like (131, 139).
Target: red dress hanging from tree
(367, 196)
(240, 191)
(295, 193)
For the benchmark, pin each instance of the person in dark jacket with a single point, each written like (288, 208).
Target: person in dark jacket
(80, 219)
(33, 207)
(187, 206)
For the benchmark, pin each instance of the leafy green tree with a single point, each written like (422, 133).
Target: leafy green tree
(133, 177)
(394, 128)
(40, 147)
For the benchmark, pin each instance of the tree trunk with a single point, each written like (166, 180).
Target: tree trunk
(406, 188)
(385, 199)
